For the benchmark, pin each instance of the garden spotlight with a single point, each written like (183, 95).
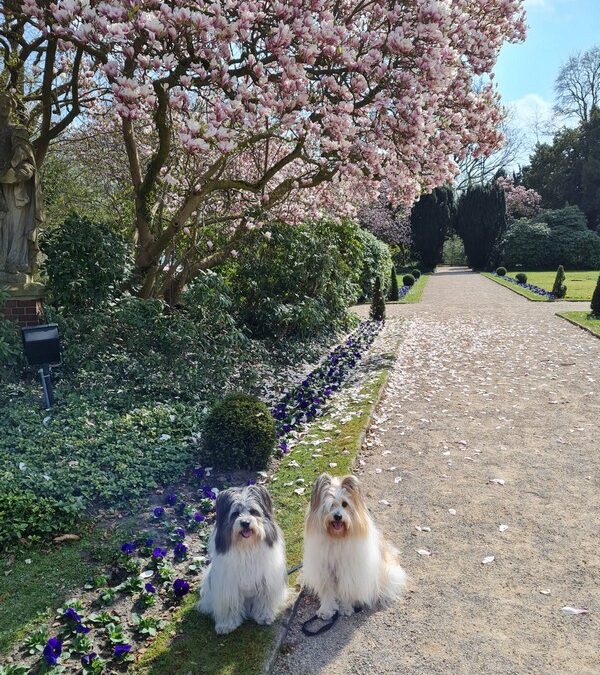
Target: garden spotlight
(41, 345)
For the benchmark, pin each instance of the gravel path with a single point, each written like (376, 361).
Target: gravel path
(487, 386)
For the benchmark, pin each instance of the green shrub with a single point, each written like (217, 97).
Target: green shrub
(239, 433)
(394, 292)
(416, 273)
(11, 351)
(375, 262)
(85, 264)
(555, 238)
(301, 282)
(521, 277)
(559, 290)
(430, 220)
(377, 312)
(26, 517)
(595, 305)
(408, 280)
(501, 271)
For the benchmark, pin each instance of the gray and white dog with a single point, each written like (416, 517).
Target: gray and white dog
(246, 578)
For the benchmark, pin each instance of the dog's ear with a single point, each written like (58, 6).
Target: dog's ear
(352, 486)
(264, 498)
(222, 524)
(322, 484)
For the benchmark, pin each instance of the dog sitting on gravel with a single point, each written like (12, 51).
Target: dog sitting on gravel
(347, 562)
(246, 578)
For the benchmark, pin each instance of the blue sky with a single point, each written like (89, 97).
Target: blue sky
(525, 72)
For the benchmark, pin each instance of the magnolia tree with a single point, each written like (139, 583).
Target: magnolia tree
(389, 223)
(234, 112)
(521, 202)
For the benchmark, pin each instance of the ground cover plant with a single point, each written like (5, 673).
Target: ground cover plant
(580, 284)
(529, 291)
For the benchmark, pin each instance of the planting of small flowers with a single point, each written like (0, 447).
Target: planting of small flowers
(530, 287)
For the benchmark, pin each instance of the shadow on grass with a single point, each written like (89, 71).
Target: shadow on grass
(198, 650)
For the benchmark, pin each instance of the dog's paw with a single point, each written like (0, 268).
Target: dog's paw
(326, 613)
(265, 619)
(224, 627)
(346, 610)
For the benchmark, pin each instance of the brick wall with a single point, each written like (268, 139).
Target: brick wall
(25, 311)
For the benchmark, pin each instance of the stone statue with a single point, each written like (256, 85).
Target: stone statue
(21, 206)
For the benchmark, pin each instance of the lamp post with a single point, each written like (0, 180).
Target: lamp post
(41, 345)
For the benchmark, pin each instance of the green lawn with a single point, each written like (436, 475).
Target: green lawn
(583, 319)
(415, 293)
(580, 285)
(513, 287)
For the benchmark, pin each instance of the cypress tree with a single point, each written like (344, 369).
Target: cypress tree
(559, 290)
(481, 222)
(378, 303)
(430, 221)
(394, 293)
(596, 300)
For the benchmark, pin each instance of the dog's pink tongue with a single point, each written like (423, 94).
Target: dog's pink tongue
(246, 533)
(337, 525)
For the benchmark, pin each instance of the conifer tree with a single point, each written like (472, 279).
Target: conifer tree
(378, 303)
(394, 292)
(596, 300)
(559, 290)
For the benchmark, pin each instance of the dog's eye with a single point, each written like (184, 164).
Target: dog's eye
(344, 504)
(235, 515)
(255, 513)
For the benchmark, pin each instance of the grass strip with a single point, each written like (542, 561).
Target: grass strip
(583, 320)
(580, 284)
(189, 643)
(415, 293)
(514, 288)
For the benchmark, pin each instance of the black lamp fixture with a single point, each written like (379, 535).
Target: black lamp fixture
(42, 348)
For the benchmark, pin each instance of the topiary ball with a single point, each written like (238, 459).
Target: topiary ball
(416, 273)
(521, 277)
(501, 271)
(239, 433)
(408, 280)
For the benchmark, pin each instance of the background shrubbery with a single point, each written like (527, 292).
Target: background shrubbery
(375, 261)
(559, 237)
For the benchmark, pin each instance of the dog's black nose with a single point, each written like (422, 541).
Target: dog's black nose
(337, 516)
(245, 523)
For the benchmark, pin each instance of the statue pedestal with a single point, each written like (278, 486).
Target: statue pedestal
(24, 304)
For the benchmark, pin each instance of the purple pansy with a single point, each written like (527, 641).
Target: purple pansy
(70, 613)
(180, 588)
(122, 649)
(149, 588)
(128, 548)
(52, 651)
(159, 552)
(159, 512)
(170, 499)
(198, 517)
(87, 659)
(208, 493)
(80, 628)
(180, 550)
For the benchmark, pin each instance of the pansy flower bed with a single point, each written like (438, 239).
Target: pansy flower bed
(530, 287)
(305, 402)
(117, 613)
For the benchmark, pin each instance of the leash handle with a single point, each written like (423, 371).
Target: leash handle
(323, 629)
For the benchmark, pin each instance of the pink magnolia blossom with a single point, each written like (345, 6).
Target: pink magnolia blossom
(279, 109)
(521, 202)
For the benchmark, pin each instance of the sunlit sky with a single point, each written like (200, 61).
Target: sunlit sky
(525, 72)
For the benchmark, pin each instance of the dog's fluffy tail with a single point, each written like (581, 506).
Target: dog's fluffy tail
(393, 578)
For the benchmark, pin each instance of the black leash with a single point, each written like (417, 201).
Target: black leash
(322, 629)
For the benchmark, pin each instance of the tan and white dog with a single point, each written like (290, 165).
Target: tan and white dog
(347, 562)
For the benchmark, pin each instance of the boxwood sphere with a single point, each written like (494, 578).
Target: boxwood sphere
(521, 277)
(501, 271)
(239, 433)
(416, 273)
(408, 280)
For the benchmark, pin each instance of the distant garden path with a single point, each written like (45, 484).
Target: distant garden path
(487, 386)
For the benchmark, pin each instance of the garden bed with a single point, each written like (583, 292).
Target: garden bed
(529, 291)
(333, 434)
(411, 294)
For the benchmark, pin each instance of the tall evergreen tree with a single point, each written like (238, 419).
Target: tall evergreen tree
(596, 300)
(394, 291)
(378, 303)
(480, 222)
(559, 290)
(430, 221)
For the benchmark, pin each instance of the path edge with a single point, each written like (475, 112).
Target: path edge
(579, 325)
